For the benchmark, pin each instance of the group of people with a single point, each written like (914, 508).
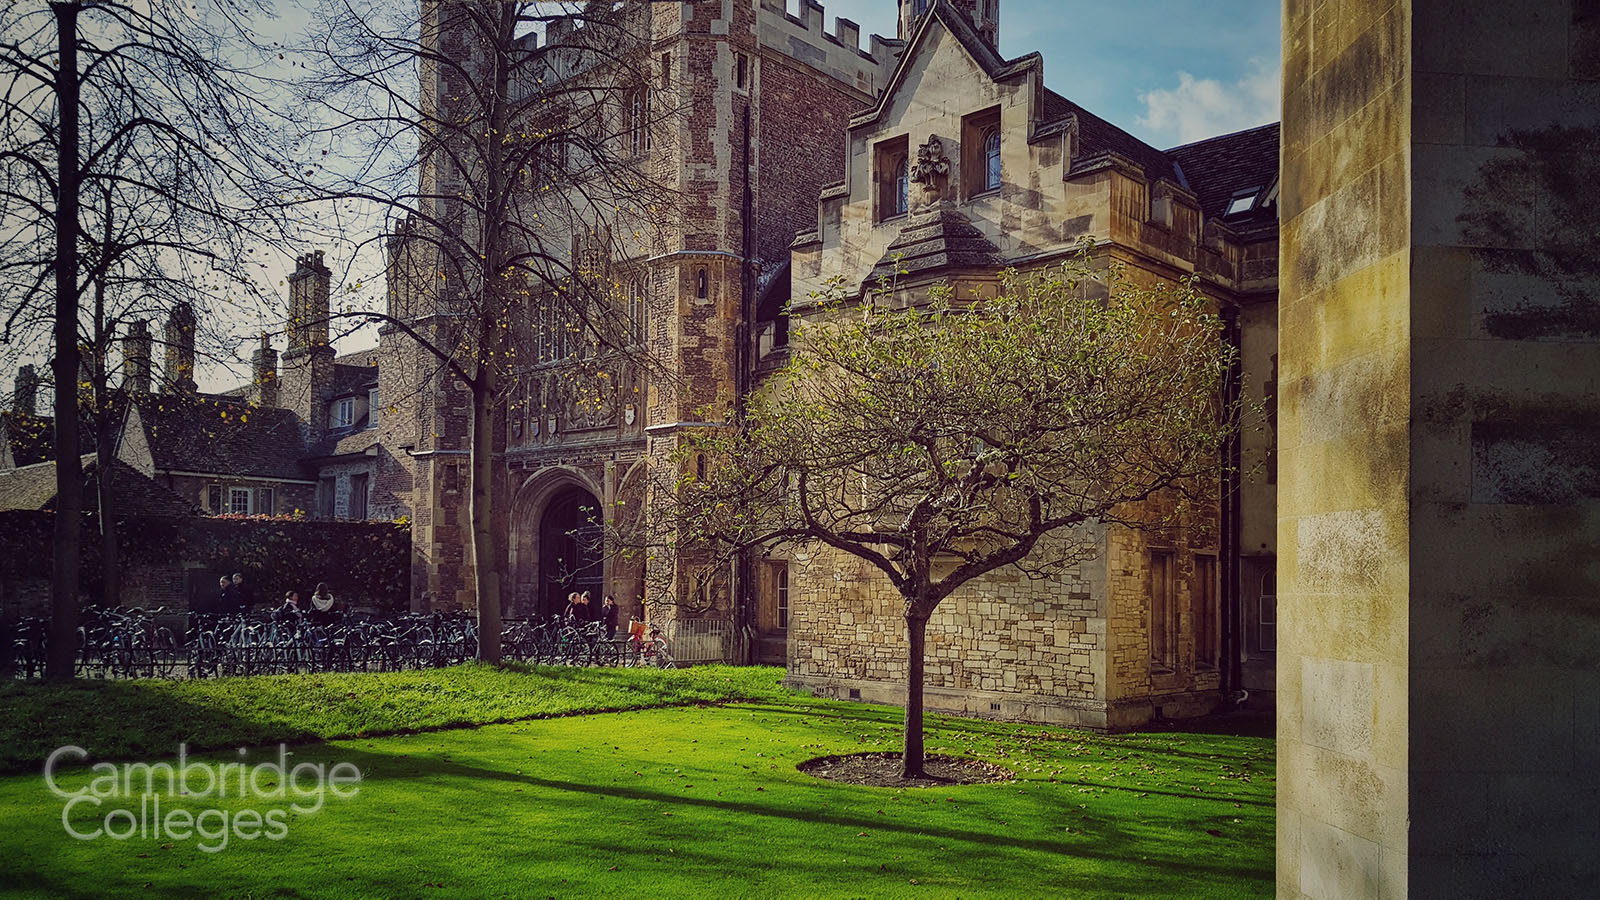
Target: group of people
(580, 612)
(237, 598)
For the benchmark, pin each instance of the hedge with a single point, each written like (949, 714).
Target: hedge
(365, 563)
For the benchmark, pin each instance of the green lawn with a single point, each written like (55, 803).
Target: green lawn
(687, 801)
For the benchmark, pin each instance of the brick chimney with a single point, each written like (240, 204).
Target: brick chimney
(179, 338)
(264, 372)
(136, 371)
(25, 392)
(308, 362)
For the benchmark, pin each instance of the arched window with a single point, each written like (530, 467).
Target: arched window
(991, 160)
(902, 187)
(700, 287)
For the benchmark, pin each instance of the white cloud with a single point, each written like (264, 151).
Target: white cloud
(1199, 108)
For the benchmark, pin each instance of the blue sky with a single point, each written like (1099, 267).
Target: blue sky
(1169, 71)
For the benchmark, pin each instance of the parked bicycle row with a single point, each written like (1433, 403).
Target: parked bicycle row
(156, 643)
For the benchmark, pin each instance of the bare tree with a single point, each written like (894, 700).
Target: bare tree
(511, 178)
(941, 440)
(128, 134)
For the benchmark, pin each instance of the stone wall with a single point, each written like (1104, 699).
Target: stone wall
(1003, 645)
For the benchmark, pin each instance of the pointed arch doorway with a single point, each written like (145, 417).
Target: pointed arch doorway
(571, 550)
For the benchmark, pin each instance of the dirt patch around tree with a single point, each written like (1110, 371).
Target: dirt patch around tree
(883, 770)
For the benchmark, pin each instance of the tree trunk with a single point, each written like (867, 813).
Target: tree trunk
(110, 566)
(61, 656)
(917, 632)
(485, 558)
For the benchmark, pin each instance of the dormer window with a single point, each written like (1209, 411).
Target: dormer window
(1242, 202)
(982, 171)
(344, 412)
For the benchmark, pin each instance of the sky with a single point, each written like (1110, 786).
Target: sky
(1168, 71)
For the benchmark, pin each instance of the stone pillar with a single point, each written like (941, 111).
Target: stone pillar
(1438, 696)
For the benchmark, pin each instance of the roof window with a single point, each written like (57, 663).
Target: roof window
(1242, 202)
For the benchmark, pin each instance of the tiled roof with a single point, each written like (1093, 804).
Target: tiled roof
(366, 359)
(344, 445)
(34, 487)
(348, 380)
(1219, 168)
(223, 436)
(1097, 137)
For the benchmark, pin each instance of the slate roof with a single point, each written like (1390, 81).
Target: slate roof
(1218, 168)
(34, 487)
(935, 240)
(1097, 137)
(214, 434)
(346, 444)
(349, 380)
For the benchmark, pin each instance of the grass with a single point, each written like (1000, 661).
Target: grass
(697, 801)
(153, 716)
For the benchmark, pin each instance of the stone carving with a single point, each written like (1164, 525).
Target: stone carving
(932, 170)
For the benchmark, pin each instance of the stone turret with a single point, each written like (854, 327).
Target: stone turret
(983, 14)
(137, 372)
(179, 339)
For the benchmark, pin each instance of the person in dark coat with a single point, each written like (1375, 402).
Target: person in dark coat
(241, 594)
(608, 616)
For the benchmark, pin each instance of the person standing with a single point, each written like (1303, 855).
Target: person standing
(241, 594)
(322, 605)
(608, 616)
(227, 600)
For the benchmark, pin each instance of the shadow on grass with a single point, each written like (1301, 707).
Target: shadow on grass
(1109, 842)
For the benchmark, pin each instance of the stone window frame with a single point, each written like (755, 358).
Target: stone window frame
(982, 171)
(1267, 611)
(780, 581)
(1206, 613)
(214, 499)
(266, 501)
(238, 508)
(1163, 618)
(892, 178)
(743, 72)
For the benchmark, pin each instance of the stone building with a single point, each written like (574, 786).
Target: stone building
(771, 111)
(1138, 631)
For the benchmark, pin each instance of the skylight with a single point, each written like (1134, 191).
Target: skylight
(1242, 202)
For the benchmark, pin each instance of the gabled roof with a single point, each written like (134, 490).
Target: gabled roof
(34, 487)
(1097, 139)
(1221, 168)
(220, 435)
(345, 443)
(987, 58)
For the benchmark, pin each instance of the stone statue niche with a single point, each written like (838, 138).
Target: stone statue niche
(932, 172)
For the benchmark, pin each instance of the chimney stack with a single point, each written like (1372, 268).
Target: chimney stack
(264, 367)
(180, 350)
(25, 393)
(308, 303)
(136, 358)
(307, 375)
